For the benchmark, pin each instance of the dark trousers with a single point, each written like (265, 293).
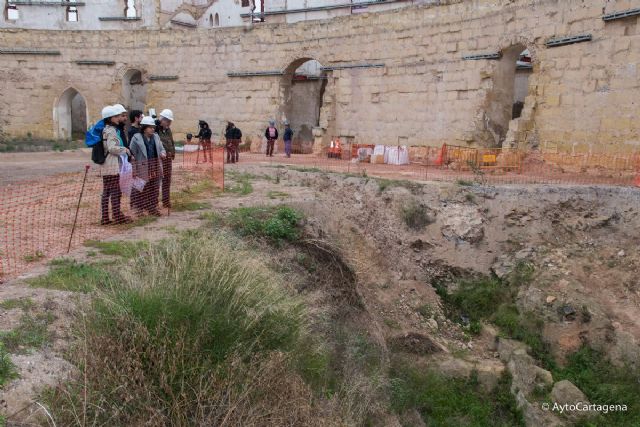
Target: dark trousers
(147, 199)
(111, 192)
(270, 144)
(206, 148)
(236, 149)
(167, 166)
(232, 154)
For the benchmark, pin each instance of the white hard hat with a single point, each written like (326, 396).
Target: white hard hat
(147, 120)
(167, 114)
(119, 109)
(109, 111)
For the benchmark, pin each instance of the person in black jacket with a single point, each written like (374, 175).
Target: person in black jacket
(233, 135)
(271, 133)
(134, 118)
(205, 139)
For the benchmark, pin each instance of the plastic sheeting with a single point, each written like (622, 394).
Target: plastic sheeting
(397, 155)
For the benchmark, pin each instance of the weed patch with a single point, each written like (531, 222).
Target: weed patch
(241, 183)
(604, 384)
(277, 195)
(7, 368)
(21, 303)
(187, 199)
(122, 248)
(189, 345)
(30, 334)
(443, 401)
(413, 187)
(69, 275)
(415, 216)
(274, 223)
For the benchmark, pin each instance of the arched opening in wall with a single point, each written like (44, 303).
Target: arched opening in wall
(70, 115)
(303, 87)
(130, 9)
(134, 90)
(11, 12)
(211, 20)
(216, 21)
(521, 82)
(510, 86)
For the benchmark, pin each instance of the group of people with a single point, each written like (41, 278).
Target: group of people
(149, 146)
(271, 134)
(233, 137)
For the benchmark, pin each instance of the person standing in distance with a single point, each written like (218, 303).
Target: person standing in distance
(271, 133)
(288, 138)
(166, 137)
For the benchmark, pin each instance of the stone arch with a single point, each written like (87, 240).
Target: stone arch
(302, 90)
(70, 115)
(134, 89)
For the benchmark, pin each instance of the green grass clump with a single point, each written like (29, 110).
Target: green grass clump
(241, 183)
(464, 183)
(21, 303)
(30, 334)
(444, 401)
(125, 249)
(384, 184)
(275, 223)
(7, 368)
(70, 275)
(492, 298)
(415, 215)
(195, 337)
(605, 384)
(187, 198)
(277, 195)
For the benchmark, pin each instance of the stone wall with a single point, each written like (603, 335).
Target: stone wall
(582, 97)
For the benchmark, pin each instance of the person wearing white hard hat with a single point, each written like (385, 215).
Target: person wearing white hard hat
(110, 169)
(164, 132)
(148, 152)
(122, 126)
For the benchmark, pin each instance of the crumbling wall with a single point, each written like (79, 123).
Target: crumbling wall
(414, 84)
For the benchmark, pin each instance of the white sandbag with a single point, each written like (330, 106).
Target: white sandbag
(397, 155)
(188, 148)
(379, 150)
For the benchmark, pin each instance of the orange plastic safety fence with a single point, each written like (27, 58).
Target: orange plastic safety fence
(43, 219)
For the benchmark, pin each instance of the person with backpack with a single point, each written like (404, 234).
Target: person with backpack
(163, 129)
(271, 133)
(148, 151)
(205, 139)
(288, 138)
(113, 148)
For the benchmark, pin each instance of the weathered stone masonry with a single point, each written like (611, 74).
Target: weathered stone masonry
(582, 97)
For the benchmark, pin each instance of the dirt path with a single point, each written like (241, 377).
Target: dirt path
(16, 167)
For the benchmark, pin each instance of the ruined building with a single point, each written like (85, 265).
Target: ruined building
(537, 73)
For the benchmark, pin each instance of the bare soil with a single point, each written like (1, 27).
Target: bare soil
(583, 242)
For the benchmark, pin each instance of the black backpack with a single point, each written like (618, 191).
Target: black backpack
(98, 154)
